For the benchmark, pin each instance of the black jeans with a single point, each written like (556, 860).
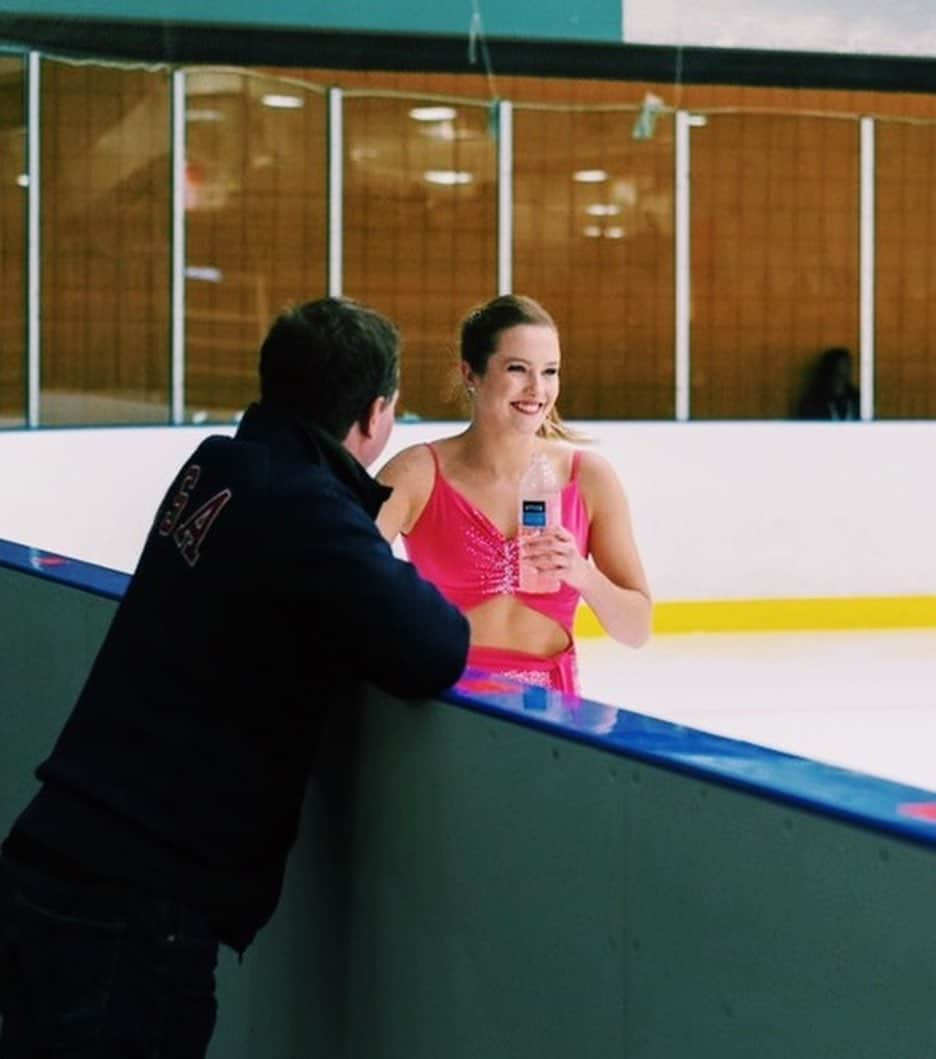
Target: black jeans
(92, 971)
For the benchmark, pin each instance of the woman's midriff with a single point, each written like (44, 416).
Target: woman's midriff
(505, 622)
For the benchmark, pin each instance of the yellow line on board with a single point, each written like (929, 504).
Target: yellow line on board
(787, 615)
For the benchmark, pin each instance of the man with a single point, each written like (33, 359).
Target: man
(263, 597)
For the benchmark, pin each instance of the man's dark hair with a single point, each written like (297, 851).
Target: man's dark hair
(327, 360)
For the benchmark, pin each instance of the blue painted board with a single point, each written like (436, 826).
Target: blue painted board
(881, 805)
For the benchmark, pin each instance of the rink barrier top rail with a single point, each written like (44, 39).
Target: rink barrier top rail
(622, 732)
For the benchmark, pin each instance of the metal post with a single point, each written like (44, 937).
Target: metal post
(505, 147)
(33, 236)
(335, 192)
(682, 266)
(867, 253)
(178, 253)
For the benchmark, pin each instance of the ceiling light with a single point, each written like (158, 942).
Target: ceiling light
(447, 177)
(23, 180)
(433, 113)
(590, 176)
(281, 102)
(593, 231)
(206, 273)
(194, 114)
(603, 209)
(614, 233)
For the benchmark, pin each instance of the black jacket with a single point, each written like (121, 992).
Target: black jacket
(264, 597)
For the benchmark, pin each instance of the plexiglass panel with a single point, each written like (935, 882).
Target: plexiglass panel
(905, 274)
(420, 229)
(13, 191)
(775, 269)
(593, 231)
(256, 234)
(105, 244)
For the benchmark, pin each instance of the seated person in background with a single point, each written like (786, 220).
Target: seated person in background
(456, 502)
(830, 393)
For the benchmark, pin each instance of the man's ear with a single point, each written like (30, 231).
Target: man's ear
(372, 415)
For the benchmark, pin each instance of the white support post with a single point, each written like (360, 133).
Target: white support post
(505, 150)
(177, 253)
(867, 255)
(33, 245)
(335, 192)
(682, 266)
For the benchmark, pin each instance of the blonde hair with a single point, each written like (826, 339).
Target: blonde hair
(479, 332)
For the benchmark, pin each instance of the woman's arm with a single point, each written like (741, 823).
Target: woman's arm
(613, 584)
(410, 474)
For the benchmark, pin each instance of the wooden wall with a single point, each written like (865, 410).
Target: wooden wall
(774, 232)
(12, 243)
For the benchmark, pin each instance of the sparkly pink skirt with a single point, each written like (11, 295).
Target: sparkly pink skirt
(558, 672)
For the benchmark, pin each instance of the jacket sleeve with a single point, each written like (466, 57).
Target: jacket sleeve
(394, 628)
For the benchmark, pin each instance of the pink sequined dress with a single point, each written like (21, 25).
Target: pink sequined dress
(459, 549)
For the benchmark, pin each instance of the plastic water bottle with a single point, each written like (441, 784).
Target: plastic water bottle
(540, 507)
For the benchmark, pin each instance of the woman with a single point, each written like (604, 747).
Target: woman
(456, 503)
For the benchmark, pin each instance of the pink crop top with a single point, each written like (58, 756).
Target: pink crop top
(459, 549)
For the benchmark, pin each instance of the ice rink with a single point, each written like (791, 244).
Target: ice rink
(862, 700)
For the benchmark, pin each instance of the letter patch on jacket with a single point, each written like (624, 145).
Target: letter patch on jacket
(188, 537)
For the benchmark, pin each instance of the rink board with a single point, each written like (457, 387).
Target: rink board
(508, 874)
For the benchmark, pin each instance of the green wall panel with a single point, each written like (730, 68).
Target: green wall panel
(595, 20)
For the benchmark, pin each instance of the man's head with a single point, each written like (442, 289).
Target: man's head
(335, 364)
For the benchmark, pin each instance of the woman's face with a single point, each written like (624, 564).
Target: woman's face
(521, 383)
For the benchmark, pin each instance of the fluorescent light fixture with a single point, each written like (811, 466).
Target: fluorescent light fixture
(282, 102)
(590, 176)
(593, 231)
(194, 114)
(603, 209)
(441, 130)
(697, 121)
(206, 273)
(433, 113)
(614, 233)
(23, 180)
(447, 177)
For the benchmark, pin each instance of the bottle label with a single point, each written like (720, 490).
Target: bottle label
(534, 514)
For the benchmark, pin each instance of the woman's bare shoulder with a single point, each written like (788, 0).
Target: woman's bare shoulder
(412, 463)
(598, 480)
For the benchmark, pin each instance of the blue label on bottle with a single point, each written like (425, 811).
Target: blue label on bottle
(534, 514)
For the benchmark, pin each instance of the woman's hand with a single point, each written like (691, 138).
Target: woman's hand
(554, 551)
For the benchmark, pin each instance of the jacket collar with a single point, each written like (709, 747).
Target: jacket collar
(285, 431)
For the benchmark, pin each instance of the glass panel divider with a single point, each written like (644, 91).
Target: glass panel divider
(867, 267)
(683, 277)
(177, 250)
(33, 244)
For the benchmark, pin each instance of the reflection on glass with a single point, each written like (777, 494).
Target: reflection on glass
(13, 187)
(569, 711)
(105, 244)
(774, 258)
(593, 241)
(256, 230)
(905, 276)
(420, 236)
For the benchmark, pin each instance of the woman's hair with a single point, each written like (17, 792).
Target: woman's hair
(480, 332)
